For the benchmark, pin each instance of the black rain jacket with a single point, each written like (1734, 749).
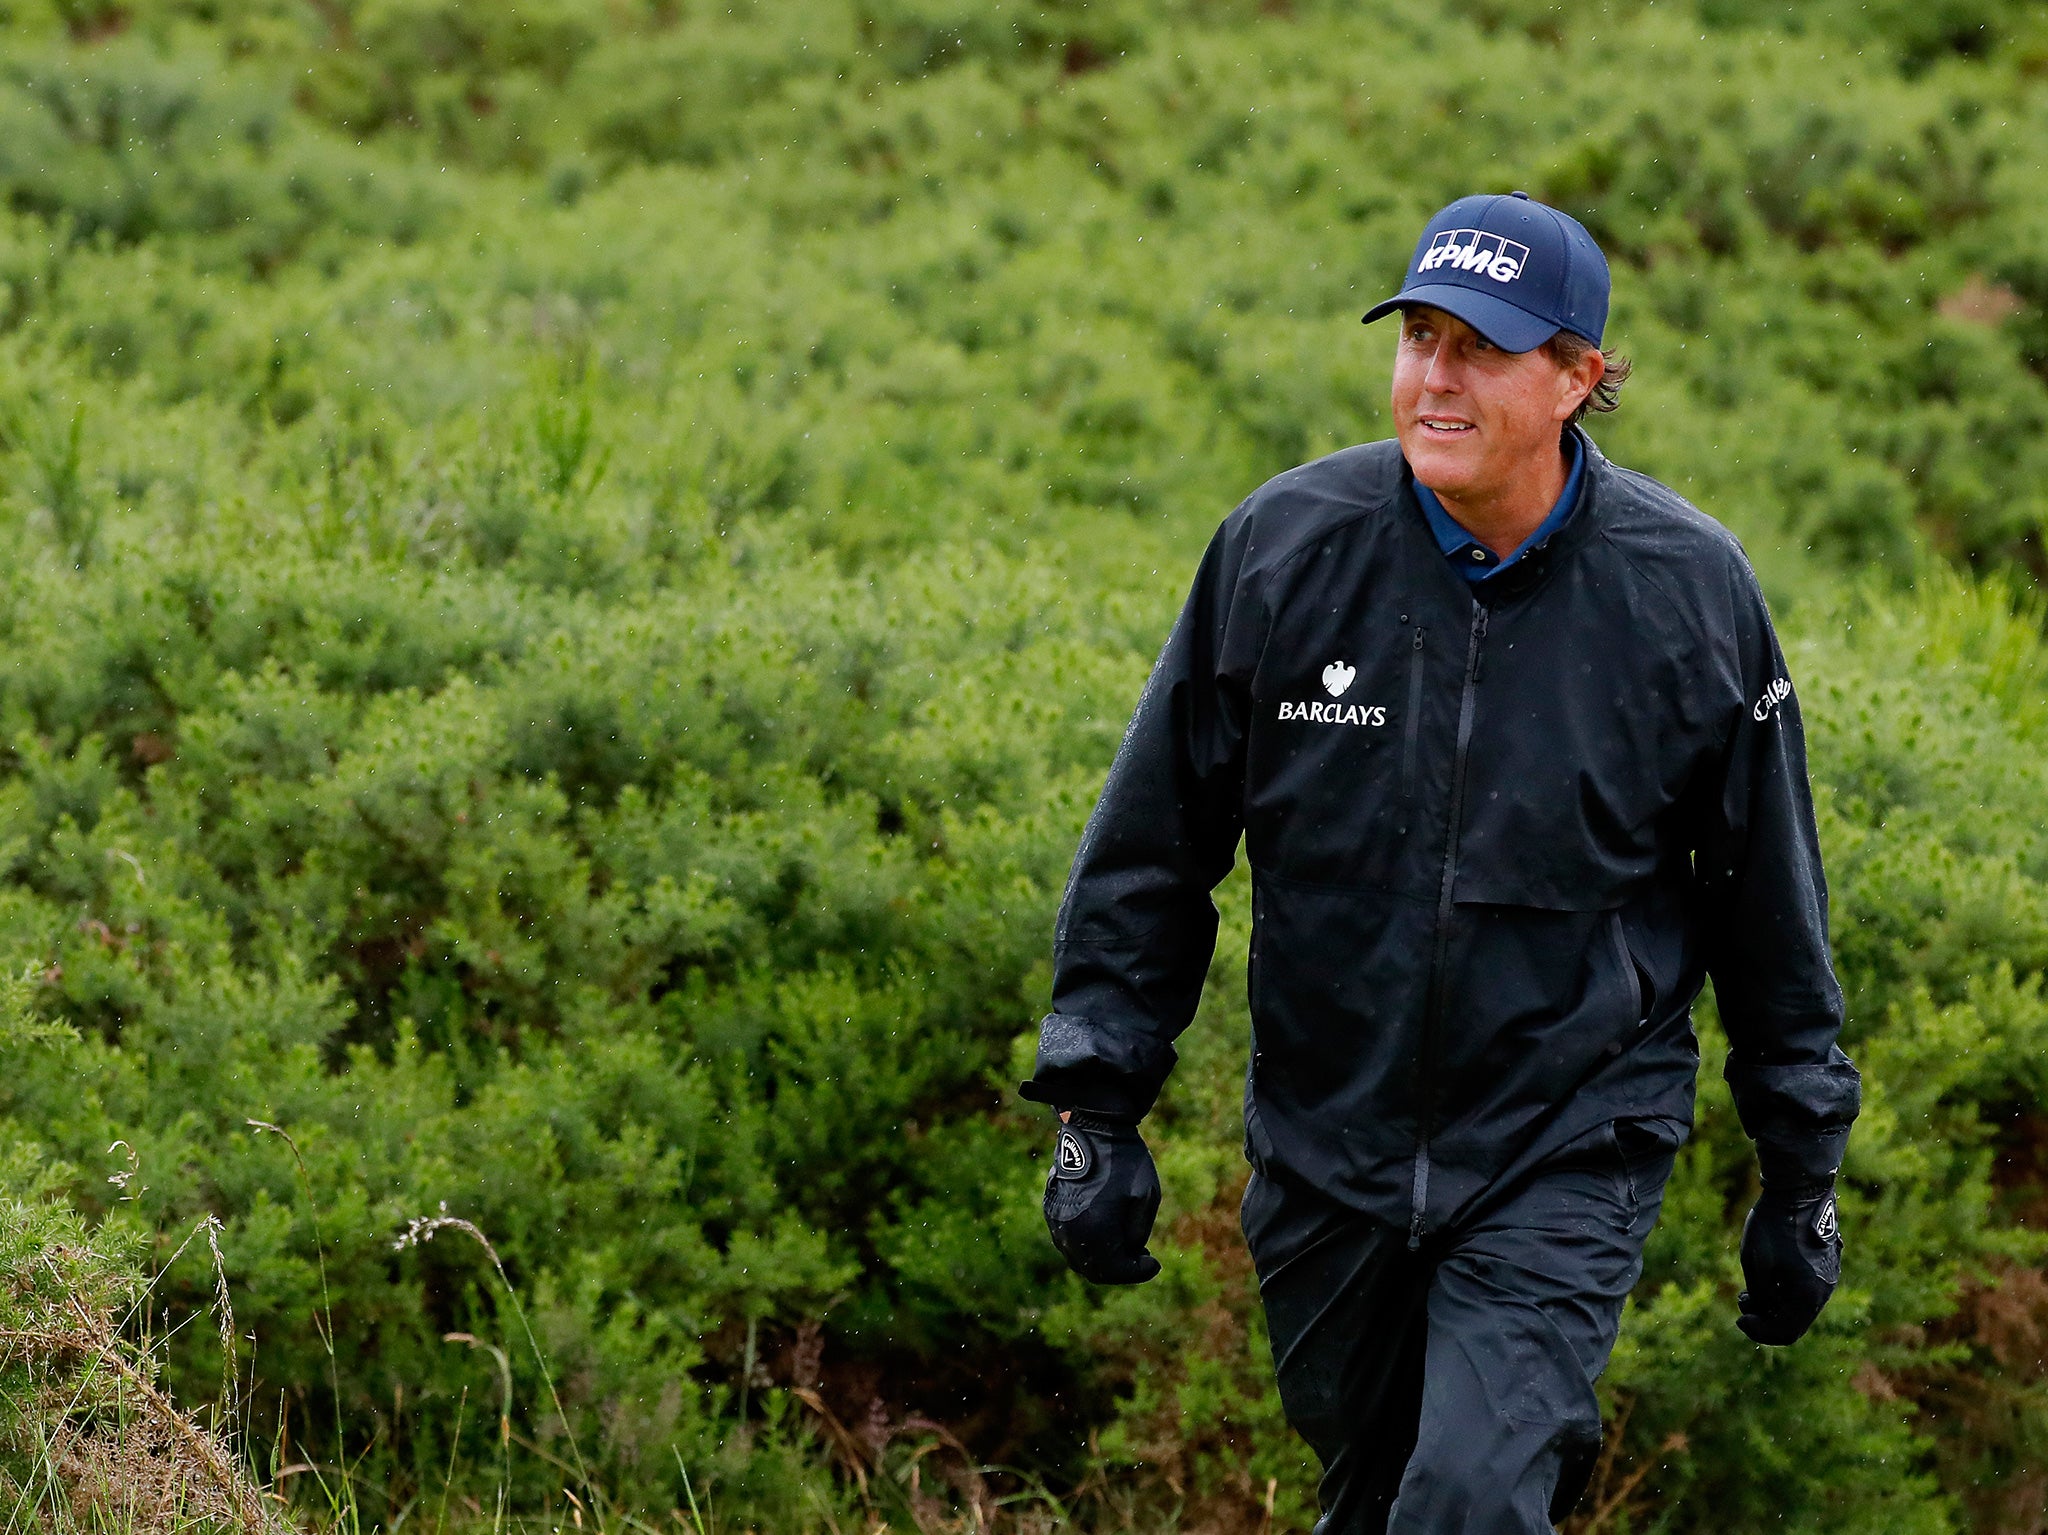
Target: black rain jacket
(1499, 835)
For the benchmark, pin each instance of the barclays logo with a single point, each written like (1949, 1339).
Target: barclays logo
(1337, 679)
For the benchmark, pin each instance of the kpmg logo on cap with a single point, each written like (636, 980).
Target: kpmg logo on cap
(1470, 250)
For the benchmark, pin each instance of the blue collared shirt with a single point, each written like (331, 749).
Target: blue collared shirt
(1472, 559)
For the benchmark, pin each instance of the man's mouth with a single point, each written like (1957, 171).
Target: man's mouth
(1443, 426)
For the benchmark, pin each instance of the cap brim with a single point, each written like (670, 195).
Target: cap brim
(1507, 326)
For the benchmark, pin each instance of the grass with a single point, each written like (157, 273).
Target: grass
(89, 1441)
(92, 1444)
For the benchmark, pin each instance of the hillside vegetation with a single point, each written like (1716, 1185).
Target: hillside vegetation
(577, 565)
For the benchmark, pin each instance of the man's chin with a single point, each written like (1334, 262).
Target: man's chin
(1444, 467)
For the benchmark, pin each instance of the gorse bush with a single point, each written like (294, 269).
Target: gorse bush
(577, 567)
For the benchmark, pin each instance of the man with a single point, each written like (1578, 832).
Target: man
(1511, 745)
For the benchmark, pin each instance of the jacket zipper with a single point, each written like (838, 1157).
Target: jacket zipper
(1414, 721)
(1432, 1017)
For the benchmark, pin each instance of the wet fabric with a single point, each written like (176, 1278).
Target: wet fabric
(1499, 836)
(1449, 1390)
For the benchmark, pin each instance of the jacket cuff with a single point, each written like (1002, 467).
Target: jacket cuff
(1110, 1068)
(1799, 1116)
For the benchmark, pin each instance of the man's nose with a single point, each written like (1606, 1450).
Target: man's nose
(1442, 377)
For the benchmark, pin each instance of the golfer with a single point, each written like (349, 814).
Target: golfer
(1517, 765)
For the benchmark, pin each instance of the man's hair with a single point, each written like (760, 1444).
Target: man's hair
(1566, 349)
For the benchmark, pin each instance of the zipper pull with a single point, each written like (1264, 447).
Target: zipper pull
(1418, 637)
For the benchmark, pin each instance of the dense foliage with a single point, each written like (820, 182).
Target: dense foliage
(578, 564)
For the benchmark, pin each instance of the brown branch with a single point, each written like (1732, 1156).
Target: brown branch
(1609, 1506)
(849, 1448)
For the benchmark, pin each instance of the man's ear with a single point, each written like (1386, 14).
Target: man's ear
(1578, 381)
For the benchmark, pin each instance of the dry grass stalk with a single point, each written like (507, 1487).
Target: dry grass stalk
(188, 1441)
(421, 1229)
(129, 1458)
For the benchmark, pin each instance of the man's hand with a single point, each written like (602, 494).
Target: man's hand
(1792, 1257)
(1101, 1197)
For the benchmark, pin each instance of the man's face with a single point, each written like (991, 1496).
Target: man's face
(1472, 419)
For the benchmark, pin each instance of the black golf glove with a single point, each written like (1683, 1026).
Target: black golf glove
(1101, 1197)
(1791, 1257)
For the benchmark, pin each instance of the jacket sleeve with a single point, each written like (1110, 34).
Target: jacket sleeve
(1765, 904)
(1137, 928)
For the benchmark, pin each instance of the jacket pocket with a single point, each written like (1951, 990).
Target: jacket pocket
(1258, 1146)
(1540, 999)
(1338, 996)
(1631, 972)
(1644, 1152)
(1411, 720)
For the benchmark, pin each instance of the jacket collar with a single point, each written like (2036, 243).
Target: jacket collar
(1528, 571)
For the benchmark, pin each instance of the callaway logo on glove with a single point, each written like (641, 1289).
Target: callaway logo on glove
(1101, 1198)
(1792, 1258)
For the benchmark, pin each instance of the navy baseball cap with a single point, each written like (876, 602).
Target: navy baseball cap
(1515, 270)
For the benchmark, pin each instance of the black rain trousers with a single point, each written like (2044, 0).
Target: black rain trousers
(1448, 1390)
